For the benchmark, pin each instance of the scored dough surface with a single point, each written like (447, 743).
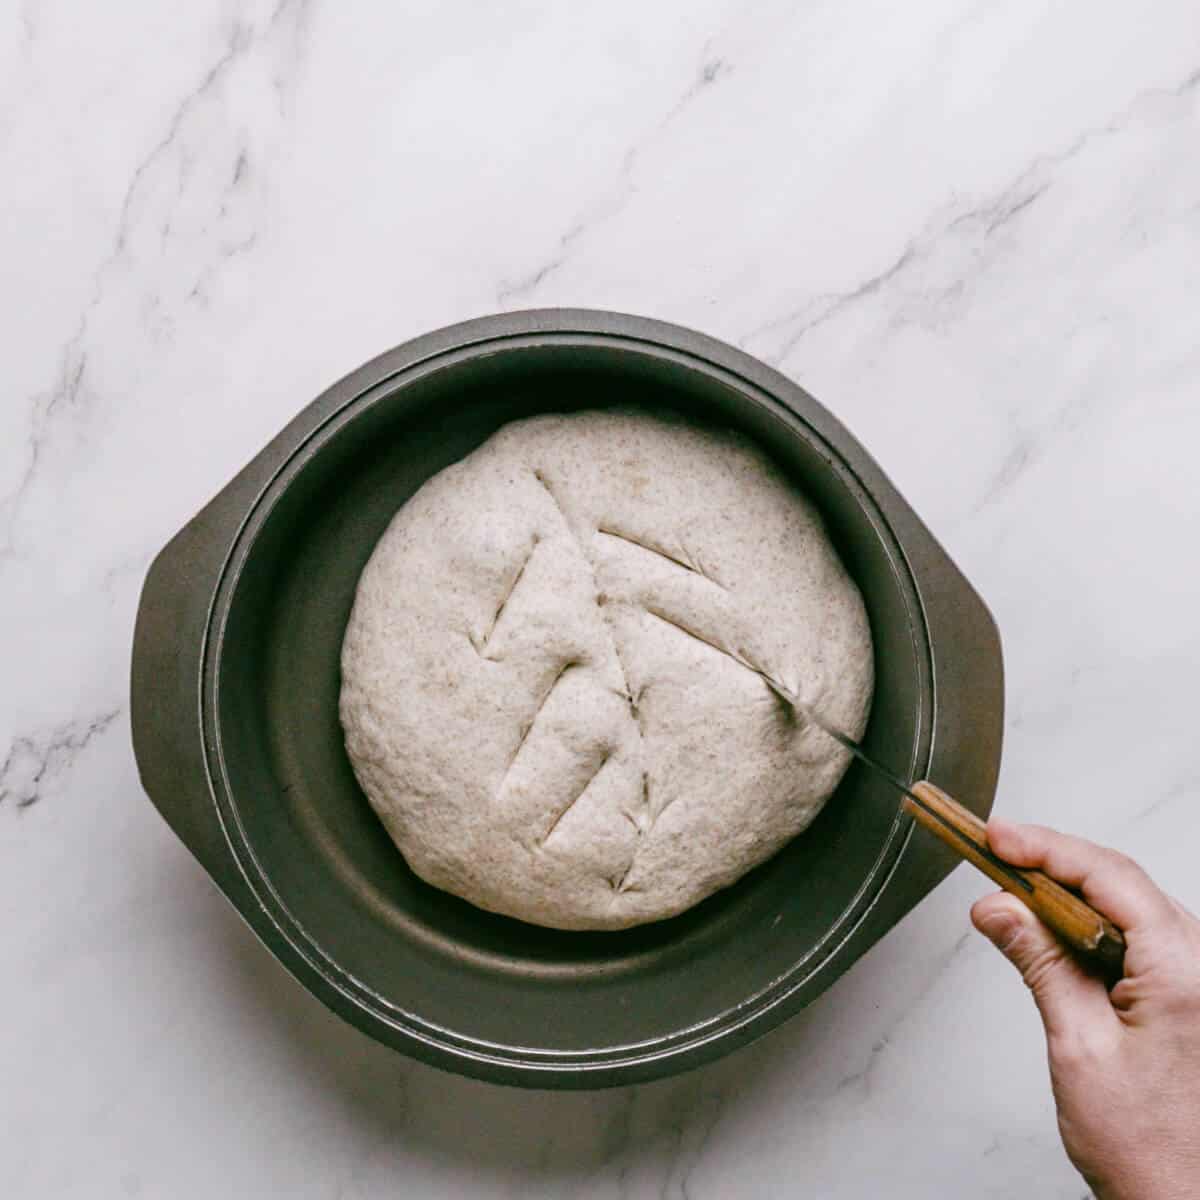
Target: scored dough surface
(550, 687)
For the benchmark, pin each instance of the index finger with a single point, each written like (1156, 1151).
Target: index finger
(1109, 881)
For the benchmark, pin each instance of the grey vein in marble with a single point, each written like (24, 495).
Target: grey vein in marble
(692, 1136)
(65, 392)
(711, 70)
(861, 1076)
(980, 220)
(33, 760)
(68, 391)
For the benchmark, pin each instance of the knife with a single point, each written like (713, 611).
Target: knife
(1089, 933)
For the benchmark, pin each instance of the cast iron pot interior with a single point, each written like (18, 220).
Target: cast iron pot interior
(294, 800)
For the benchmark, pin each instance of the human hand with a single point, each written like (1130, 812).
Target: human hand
(1125, 1064)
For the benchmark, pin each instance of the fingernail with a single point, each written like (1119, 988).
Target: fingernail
(998, 928)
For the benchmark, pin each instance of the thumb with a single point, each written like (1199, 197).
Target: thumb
(1065, 994)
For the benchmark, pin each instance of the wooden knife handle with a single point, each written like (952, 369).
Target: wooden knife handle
(1080, 926)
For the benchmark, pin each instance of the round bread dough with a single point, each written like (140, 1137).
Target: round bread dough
(552, 678)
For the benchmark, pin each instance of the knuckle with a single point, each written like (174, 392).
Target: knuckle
(1078, 1049)
(1066, 1050)
(1039, 964)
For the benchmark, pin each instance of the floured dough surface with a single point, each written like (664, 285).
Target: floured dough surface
(550, 679)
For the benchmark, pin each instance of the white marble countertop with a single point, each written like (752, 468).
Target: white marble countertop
(971, 229)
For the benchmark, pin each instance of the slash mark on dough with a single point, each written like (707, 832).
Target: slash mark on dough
(704, 641)
(481, 643)
(617, 882)
(528, 728)
(582, 792)
(685, 563)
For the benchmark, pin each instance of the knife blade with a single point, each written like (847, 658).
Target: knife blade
(848, 743)
(1080, 926)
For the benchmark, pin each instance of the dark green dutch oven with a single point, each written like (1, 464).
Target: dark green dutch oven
(235, 686)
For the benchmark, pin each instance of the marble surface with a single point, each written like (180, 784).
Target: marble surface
(971, 229)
